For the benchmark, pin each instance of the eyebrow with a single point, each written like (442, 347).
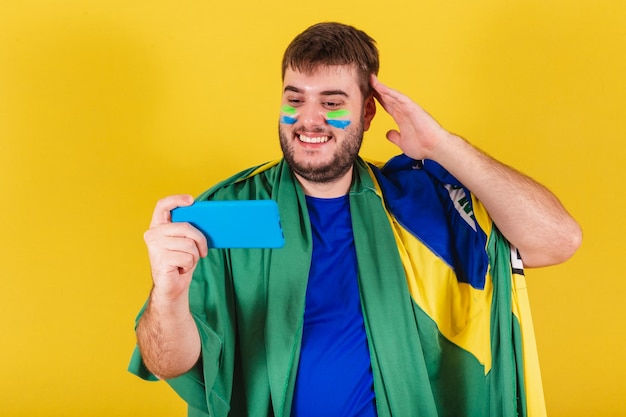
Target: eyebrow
(323, 93)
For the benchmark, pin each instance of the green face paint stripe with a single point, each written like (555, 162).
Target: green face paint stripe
(288, 109)
(337, 113)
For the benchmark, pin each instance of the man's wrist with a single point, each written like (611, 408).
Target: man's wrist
(168, 306)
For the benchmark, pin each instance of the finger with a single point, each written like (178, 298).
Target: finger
(382, 89)
(379, 89)
(199, 239)
(185, 259)
(161, 214)
(179, 244)
(158, 235)
(374, 81)
(389, 97)
(392, 101)
(172, 254)
(173, 261)
(376, 84)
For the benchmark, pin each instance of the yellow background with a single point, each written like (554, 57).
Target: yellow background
(106, 106)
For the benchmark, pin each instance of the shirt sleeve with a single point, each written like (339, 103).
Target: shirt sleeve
(206, 387)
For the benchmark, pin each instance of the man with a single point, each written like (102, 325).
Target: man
(397, 291)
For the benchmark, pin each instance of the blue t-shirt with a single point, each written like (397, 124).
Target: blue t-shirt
(334, 372)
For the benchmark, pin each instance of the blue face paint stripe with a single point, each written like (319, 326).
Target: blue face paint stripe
(288, 120)
(341, 124)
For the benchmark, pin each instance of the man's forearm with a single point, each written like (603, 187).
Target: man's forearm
(168, 338)
(529, 215)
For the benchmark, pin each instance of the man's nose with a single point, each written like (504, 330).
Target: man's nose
(312, 116)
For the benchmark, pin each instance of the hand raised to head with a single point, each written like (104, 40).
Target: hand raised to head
(418, 134)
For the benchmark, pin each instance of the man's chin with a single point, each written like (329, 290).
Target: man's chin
(321, 174)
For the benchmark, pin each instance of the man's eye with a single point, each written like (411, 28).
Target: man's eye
(294, 101)
(331, 105)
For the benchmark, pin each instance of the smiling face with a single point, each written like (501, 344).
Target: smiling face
(323, 117)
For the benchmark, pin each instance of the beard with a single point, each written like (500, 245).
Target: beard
(324, 172)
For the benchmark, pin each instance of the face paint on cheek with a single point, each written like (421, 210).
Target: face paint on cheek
(289, 117)
(333, 116)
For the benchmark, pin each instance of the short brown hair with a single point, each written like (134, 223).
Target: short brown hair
(330, 43)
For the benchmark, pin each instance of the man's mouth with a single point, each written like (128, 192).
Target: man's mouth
(317, 139)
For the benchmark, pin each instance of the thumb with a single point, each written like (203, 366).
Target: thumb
(394, 137)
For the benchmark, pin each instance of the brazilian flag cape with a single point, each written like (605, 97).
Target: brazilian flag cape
(443, 297)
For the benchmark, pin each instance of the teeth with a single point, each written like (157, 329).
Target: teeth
(320, 139)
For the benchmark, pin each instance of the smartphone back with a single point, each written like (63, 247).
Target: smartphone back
(235, 224)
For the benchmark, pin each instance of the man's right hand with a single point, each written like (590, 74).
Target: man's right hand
(166, 333)
(174, 250)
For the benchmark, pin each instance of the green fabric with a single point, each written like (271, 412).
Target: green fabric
(506, 379)
(249, 306)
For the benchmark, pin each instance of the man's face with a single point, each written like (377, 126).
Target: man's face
(323, 117)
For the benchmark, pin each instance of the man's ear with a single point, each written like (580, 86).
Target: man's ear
(369, 111)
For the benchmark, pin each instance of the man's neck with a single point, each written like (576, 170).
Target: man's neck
(332, 189)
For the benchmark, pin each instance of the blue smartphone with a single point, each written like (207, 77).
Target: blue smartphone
(235, 224)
